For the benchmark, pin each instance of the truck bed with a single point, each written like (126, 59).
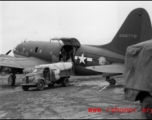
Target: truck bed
(66, 73)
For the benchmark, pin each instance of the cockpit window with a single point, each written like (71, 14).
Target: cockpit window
(23, 49)
(14, 49)
(35, 70)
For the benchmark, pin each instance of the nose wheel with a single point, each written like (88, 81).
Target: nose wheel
(112, 81)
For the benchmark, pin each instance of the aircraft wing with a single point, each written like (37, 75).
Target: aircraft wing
(3, 55)
(21, 62)
(111, 68)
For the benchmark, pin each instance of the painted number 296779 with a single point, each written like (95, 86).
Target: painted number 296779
(128, 35)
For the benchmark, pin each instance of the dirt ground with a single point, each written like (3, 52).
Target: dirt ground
(70, 102)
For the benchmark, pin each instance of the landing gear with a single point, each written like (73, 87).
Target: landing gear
(11, 80)
(112, 81)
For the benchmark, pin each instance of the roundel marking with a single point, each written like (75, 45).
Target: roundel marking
(102, 60)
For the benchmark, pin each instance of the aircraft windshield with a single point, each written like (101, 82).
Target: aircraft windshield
(35, 70)
(14, 49)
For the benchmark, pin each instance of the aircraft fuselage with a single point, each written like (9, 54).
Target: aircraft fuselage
(86, 55)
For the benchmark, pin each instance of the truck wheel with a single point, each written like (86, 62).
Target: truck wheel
(147, 108)
(11, 80)
(51, 85)
(65, 82)
(40, 85)
(25, 88)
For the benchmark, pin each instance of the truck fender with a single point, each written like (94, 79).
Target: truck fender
(38, 78)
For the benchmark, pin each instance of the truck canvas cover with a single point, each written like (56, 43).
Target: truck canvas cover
(59, 65)
(138, 66)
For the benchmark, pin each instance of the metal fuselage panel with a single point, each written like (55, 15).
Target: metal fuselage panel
(88, 55)
(48, 51)
(85, 56)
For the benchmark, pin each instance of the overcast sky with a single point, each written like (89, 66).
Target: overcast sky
(91, 22)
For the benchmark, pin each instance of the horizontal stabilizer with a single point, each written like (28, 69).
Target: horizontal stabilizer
(112, 68)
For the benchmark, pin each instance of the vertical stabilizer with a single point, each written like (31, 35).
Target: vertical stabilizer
(136, 28)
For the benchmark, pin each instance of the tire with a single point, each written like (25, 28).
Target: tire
(65, 82)
(112, 81)
(40, 85)
(11, 80)
(51, 85)
(25, 88)
(147, 103)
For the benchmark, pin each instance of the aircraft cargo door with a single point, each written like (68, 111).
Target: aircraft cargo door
(71, 41)
(68, 50)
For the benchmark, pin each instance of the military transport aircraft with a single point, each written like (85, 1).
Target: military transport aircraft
(87, 59)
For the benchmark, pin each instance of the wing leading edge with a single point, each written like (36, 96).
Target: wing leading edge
(21, 62)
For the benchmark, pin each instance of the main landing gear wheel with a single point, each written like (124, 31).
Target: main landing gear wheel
(11, 80)
(147, 108)
(40, 85)
(112, 81)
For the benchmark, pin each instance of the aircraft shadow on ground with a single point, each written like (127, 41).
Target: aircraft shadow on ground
(115, 86)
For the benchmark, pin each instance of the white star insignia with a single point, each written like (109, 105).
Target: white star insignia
(82, 58)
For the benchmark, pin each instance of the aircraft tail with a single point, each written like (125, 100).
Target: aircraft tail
(136, 28)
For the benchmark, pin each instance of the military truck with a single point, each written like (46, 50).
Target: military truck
(48, 74)
(138, 76)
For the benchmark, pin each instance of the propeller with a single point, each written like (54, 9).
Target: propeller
(8, 52)
(2, 73)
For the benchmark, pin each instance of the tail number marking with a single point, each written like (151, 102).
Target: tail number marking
(128, 35)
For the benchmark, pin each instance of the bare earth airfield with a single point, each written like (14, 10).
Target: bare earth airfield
(70, 102)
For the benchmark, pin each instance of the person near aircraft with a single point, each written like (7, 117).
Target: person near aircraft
(67, 54)
(63, 55)
(72, 53)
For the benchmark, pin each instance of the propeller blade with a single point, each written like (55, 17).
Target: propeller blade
(8, 52)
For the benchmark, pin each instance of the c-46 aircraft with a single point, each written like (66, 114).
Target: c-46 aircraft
(87, 59)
